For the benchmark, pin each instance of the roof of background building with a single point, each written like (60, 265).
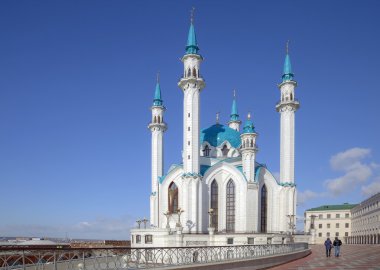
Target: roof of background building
(345, 206)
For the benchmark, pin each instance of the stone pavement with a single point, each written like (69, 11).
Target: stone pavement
(358, 257)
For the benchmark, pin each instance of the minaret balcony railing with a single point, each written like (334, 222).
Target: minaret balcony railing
(293, 102)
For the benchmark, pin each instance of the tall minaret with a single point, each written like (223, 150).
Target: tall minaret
(287, 107)
(157, 127)
(234, 122)
(248, 149)
(191, 84)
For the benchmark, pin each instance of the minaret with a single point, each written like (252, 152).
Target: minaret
(287, 106)
(157, 127)
(234, 122)
(191, 84)
(248, 149)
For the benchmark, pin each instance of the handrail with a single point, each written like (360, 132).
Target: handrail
(53, 258)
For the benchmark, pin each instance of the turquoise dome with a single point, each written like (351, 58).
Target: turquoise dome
(217, 134)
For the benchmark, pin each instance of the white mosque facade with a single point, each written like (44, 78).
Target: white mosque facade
(219, 194)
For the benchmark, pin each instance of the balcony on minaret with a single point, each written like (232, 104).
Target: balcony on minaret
(287, 101)
(198, 82)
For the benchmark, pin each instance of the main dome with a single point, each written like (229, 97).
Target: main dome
(217, 134)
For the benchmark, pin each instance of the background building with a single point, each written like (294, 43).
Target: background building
(328, 221)
(366, 222)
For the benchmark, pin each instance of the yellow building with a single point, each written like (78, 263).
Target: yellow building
(328, 221)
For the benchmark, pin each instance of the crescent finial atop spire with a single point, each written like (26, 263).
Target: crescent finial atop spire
(158, 76)
(287, 46)
(192, 14)
(217, 118)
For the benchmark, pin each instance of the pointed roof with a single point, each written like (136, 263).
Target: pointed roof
(287, 75)
(157, 95)
(248, 126)
(234, 116)
(192, 45)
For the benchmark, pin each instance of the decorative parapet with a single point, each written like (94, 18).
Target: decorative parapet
(191, 175)
(287, 184)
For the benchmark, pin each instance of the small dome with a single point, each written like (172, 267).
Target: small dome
(217, 134)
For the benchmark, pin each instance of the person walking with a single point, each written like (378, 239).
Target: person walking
(328, 245)
(337, 243)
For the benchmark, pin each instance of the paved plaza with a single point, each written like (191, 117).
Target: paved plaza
(352, 257)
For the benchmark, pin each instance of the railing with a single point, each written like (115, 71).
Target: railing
(133, 258)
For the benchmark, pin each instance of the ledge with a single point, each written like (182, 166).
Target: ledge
(252, 264)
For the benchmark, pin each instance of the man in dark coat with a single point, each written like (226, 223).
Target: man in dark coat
(337, 243)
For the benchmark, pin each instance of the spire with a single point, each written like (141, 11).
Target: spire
(248, 126)
(192, 45)
(288, 75)
(217, 118)
(234, 111)
(157, 93)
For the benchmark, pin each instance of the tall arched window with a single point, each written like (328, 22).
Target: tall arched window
(214, 204)
(194, 73)
(173, 198)
(230, 206)
(264, 199)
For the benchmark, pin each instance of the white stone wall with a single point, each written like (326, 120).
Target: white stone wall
(157, 127)
(287, 145)
(234, 125)
(366, 217)
(191, 129)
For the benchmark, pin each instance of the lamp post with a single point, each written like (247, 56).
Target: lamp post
(179, 213)
(291, 225)
(211, 214)
(139, 222)
(167, 214)
(144, 221)
(312, 220)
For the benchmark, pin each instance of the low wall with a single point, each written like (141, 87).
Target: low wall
(251, 264)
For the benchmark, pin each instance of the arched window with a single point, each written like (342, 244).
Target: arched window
(194, 73)
(225, 150)
(154, 119)
(173, 198)
(214, 204)
(159, 119)
(206, 151)
(264, 199)
(188, 72)
(251, 143)
(230, 206)
(291, 96)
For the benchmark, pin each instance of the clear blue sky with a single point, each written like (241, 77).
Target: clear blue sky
(77, 80)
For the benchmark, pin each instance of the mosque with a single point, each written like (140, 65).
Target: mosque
(219, 194)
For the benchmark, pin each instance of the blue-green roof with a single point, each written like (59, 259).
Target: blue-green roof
(345, 206)
(288, 75)
(234, 111)
(217, 134)
(192, 45)
(248, 126)
(157, 96)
